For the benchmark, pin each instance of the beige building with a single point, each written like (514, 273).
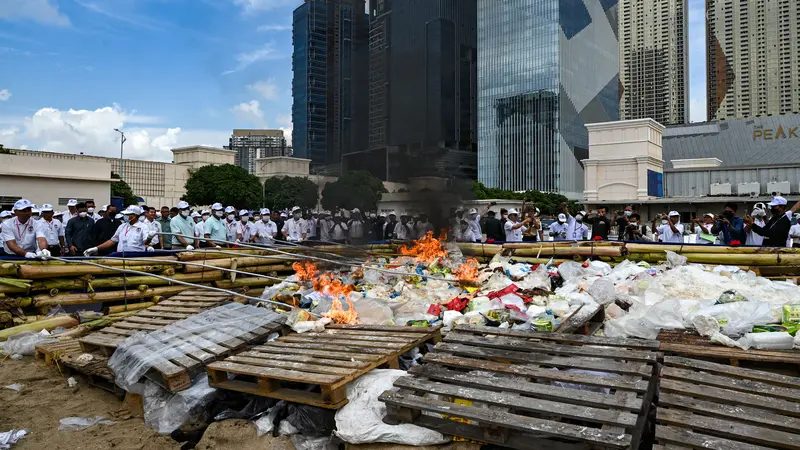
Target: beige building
(753, 61)
(653, 60)
(68, 175)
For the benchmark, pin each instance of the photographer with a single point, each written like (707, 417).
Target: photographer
(601, 224)
(671, 229)
(534, 232)
(776, 230)
(703, 230)
(636, 230)
(558, 229)
(730, 225)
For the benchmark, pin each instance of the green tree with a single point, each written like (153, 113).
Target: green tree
(356, 189)
(547, 202)
(122, 189)
(286, 192)
(227, 184)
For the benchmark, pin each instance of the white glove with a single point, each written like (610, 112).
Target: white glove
(151, 236)
(217, 246)
(189, 248)
(91, 251)
(30, 255)
(44, 253)
(150, 249)
(238, 241)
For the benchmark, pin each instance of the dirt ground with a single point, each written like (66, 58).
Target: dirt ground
(46, 399)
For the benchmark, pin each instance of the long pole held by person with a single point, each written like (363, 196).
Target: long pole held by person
(121, 147)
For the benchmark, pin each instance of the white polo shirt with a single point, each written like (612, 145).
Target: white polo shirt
(232, 229)
(266, 231)
(51, 231)
(130, 238)
(511, 234)
(295, 229)
(23, 233)
(668, 236)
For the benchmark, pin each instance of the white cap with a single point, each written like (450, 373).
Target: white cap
(392, 214)
(5, 214)
(205, 212)
(72, 202)
(583, 213)
(158, 214)
(777, 201)
(709, 215)
(674, 213)
(230, 209)
(105, 208)
(295, 209)
(22, 204)
(118, 216)
(133, 209)
(195, 214)
(183, 205)
(473, 211)
(356, 210)
(36, 211)
(513, 211)
(46, 207)
(264, 211)
(382, 215)
(562, 217)
(244, 212)
(216, 206)
(283, 215)
(58, 213)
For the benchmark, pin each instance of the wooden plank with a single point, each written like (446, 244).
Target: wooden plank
(138, 326)
(335, 341)
(188, 334)
(399, 334)
(743, 432)
(736, 412)
(198, 299)
(288, 365)
(405, 329)
(749, 386)
(329, 347)
(345, 356)
(355, 336)
(264, 372)
(575, 362)
(513, 343)
(494, 381)
(727, 396)
(509, 420)
(682, 437)
(738, 372)
(305, 359)
(175, 309)
(184, 304)
(518, 402)
(291, 395)
(563, 338)
(162, 315)
(149, 320)
(718, 352)
(178, 344)
(536, 372)
(120, 331)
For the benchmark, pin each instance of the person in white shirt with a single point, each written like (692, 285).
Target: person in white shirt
(513, 228)
(423, 227)
(312, 221)
(233, 228)
(403, 231)
(559, 228)
(672, 231)
(339, 230)
(474, 222)
(50, 232)
(199, 226)
(577, 230)
(703, 229)
(356, 227)
(4, 217)
(131, 236)
(752, 238)
(152, 226)
(266, 229)
(794, 232)
(464, 232)
(90, 209)
(72, 207)
(325, 224)
(295, 229)
(36, 213)
(19, 233)
(248, 228)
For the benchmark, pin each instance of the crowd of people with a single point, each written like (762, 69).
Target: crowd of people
(33, 231)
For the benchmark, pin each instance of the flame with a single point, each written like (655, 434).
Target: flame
(329, 285)
(305, 271)
(468, 272)
(426, 249)
(338, 315)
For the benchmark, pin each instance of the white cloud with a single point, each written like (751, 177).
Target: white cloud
(250, 112)
(92, 132)
(4, 95)
(244, 60)
(273, 27)
(250, 6)
(284, 122)
(267, 89)
(42, 11)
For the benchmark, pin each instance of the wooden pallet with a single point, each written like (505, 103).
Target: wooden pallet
(328, 360)
(95, 370)
(688, 343)
(50, 352)
(708, 405)
(175, 308)
(178, 352)
(500, 387)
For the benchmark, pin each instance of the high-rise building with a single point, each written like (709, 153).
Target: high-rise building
(252, 144)
(753, 59)
(653, 60)
(329, 110)
(546, 68)
(422, 89)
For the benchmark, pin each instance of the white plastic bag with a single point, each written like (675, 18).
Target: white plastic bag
(373, 311)
(25, 343)
(361, 420)
(779, 340)
(9, 438)
(739, 317)
(449, 317)
(81, 423)
(675, 260)
(301, 442)
(602, 291)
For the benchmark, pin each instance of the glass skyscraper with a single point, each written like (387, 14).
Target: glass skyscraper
(545, 69)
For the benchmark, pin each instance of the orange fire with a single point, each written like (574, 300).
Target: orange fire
(327, 284)
(338, 315)
(426, 249)
(305, 271)
(468, 272)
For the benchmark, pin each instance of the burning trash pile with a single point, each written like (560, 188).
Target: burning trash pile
(431, 282)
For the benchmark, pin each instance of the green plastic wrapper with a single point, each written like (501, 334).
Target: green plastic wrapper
(731, 296)
(791, 313)
(542, 325)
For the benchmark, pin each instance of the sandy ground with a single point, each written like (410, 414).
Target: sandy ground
(46, 399)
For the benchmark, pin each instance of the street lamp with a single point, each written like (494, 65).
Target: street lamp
(121, 161)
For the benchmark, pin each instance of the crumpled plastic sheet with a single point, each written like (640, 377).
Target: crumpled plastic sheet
(25, 343)
(360, 421)
(82, 423)
(302, 442)
(142, 352)
(266, 423)
(767, 341)
(373, 311)
(256, 407)
(602, 291)
(310, 420)
(165, 412)
(9, 438)
(15, 387)
(675, 260)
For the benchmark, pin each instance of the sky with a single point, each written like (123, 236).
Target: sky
(169, 73)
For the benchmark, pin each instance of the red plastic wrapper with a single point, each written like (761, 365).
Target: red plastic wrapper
(458, 304)
(435, 310)
(511, 289)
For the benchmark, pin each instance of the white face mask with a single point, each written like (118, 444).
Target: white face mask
(578, 217)
(297, 216)
(265, 219)
(82, 214)
(185, 213)
(91, 210)
(204, 217)
(218, 214)
(664, 222)
(231, 217)
(245, 219)
(628, 213)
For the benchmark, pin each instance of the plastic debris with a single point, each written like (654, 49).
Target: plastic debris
(767, 341)
(17, 387)
(165, 412)
(9, 438)
(82, 423)
(72, 382)
(24, 344)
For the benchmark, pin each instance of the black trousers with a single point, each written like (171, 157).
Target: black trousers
(54, 250)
